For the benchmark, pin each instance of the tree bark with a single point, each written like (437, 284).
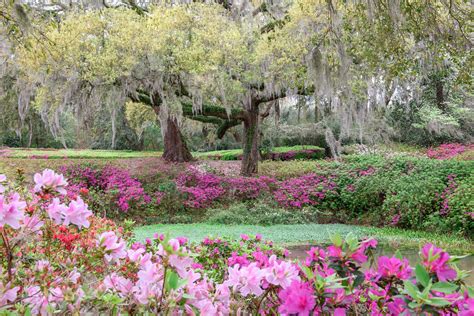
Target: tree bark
(440, 95)
(251, 141)
(175, 148)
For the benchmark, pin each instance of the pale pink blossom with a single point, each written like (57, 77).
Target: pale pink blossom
(247, 280)
(114, 246)
(33, 223)
(8, 295)
(56, 211)
(50, 180)
(118, 283)
(281, 273)
(135, 255)
(11, 212)
(77, 214)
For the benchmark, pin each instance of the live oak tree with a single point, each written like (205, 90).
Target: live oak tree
(219, 64)
(172, 56)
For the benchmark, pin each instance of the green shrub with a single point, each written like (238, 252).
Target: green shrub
(259, 214)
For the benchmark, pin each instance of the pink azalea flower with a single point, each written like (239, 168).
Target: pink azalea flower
(466, 308)
(180, 263)
(118, 283)
(135, 255)
(11, 213)
(436, 261)
(33, 223)
(8, 295)
(397, 306)
(77, 214)
(394, 267)
(114, 246)
(236, 259)
(315, 254)
(281, 273)
(298, 298)
(149, 273)
(55, 211)
(246, 279)
(334, 251)
(340, 312)
(50, 180)
(55, 295)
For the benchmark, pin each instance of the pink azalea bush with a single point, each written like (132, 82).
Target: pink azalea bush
(202, 188)
(308, 189)
(447, 151)
(60, 259)
(124, 190)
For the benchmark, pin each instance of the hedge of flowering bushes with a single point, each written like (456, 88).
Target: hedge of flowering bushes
(404, 192)
(120, 188)
(58, 258)
(448, 151)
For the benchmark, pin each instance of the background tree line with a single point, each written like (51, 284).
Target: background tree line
(225, 74)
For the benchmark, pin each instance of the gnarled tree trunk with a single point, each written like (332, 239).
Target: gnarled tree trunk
(175, 146)
(251, 142)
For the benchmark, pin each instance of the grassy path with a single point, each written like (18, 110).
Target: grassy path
(311, 233)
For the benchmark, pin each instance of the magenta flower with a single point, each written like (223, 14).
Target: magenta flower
(244, 237)
(437, 261)
(315, 254)
(246, 279)
(397, 307)
(334, 251)
(394, 267)
(298, 298)
(50, 180)
(236, 259)
(11, 213)
(114, 246)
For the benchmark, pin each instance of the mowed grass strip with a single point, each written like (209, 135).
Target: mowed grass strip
(309, 234)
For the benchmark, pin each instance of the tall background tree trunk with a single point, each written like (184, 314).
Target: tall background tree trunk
(175, 146)
(251, 142)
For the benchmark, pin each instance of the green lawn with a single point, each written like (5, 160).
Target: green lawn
(111, 154)
(311, 233)
(78, 153)
(239, 151)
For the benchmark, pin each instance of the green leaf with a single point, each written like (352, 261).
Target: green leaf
(437, 301)
(411, 289)
(470, 291)
(398, 255)
(358, 280)
(307, 271)
(444, 287)
(336, 240)
(172, 281)
(422, 276)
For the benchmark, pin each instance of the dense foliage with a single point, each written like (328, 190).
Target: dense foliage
(401, 191)
(330, 72)
(58, 258)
